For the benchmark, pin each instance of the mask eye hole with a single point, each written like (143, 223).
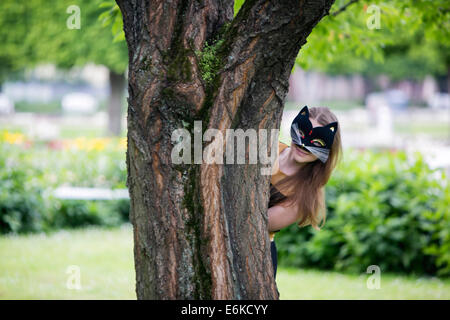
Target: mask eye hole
(301, 133)
(318, 142)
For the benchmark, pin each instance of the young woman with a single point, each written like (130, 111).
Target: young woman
(302, 171)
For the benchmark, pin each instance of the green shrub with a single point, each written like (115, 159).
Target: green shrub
(21, 206)
(384, 210)
(82, 213)
(122, 207)
(28, 176)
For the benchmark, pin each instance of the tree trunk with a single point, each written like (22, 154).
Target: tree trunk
(117, 84)
(200, 230)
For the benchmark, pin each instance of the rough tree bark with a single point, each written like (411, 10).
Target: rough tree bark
(200, 231)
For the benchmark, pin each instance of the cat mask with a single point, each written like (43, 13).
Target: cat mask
(317, 140)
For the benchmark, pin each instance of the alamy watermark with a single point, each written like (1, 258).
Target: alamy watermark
(214, 152)
(373, 21)
(74, 277)
(374, 280)
(74, 20)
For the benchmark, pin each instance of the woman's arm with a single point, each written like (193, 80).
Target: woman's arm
(280, 217)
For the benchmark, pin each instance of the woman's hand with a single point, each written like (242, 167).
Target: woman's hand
(280, 217)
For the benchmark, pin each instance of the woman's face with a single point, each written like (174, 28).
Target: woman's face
(300, 154)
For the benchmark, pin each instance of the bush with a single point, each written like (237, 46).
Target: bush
(382, 210)
(21, 206)
(29, 172)
(82, 213)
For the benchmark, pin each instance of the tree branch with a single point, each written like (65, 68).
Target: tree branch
(262, 43)
(343, 8)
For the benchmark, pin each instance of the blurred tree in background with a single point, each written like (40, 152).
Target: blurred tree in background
(412, 40)
(36, 32)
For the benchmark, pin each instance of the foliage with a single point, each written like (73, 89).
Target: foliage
(13, 29)
(383, 209)
(34, 32)
(412, 39)
(82, 213)
(20, 196)
(31, 170)
(112, 16)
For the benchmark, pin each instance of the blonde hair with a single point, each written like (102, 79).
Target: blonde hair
(309, 182)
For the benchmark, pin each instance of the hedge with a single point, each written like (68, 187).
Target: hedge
(383, 209)
(29, 174)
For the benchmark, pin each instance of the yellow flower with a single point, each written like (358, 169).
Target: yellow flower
(79, 143)
(13, 138)
(97, 144)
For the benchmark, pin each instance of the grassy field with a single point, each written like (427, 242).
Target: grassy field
(39, 267)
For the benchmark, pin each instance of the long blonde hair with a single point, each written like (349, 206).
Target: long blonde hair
(310, 180)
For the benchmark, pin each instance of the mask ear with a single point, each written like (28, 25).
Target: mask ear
(304, 111)
(332, 126)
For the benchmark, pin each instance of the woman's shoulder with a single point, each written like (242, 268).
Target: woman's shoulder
(276, 166)
(281, 146)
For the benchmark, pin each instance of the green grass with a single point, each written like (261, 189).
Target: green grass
(69, 132)
(53, 107)
(333, 105)
(313, 284)
(435, 130)
(35, 267)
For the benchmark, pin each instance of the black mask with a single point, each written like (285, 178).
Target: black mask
(316, 140)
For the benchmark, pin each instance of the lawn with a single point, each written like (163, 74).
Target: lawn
(39, 267)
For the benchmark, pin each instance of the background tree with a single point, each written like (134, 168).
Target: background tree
(34, 32)
(14, 55)
(413, 40)
(200, 231)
